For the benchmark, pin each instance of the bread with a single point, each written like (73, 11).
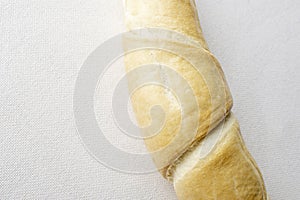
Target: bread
(195, 105)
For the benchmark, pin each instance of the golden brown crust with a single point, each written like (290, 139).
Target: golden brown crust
(228, 172)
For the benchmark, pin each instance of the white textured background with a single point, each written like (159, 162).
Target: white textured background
(44, 43)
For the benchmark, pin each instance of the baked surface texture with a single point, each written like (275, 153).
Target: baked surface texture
(227, 171)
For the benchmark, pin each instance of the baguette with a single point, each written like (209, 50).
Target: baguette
(199, 148)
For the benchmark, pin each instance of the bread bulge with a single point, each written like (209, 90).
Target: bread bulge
(206, 81)
(220, 167)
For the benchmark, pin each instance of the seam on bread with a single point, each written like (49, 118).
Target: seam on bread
(170, 169)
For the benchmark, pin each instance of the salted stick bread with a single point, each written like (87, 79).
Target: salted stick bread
(198, 147)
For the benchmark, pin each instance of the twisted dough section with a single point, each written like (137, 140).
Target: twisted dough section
(225, 170)
(205, 78)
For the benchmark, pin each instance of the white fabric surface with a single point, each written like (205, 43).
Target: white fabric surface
(43, 45)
